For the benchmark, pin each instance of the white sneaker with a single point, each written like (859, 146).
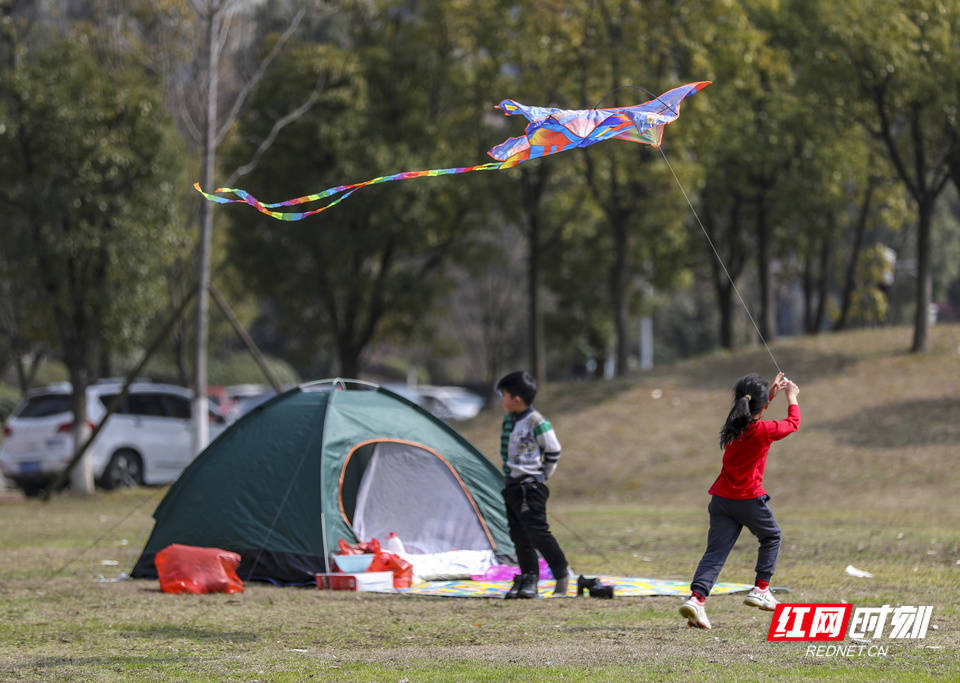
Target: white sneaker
(695, 613)
(762, 598)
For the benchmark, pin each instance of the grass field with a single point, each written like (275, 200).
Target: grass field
(870, 480)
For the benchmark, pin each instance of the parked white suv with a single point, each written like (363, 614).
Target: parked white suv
(148, 440)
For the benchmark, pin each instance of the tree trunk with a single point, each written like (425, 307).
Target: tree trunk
(924, 292)
(81, 477)
(725, 300)
(349, 361)
(925, 184)
(532, 184)
(618, 298)
(180, 354)
(823, 285)
(850, 278)
(723, 274)
(105, 362)
(768, 327)
(807, 291)
(535, 322)
(25, 375)
(201, 427)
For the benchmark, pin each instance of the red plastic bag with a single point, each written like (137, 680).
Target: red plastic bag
(371, 547)
(388, 562)
(189, 569)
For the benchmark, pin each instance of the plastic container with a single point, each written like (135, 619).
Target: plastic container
(361, 581)
(352, 564)
(393, 544)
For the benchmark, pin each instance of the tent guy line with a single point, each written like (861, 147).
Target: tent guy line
(96, 542)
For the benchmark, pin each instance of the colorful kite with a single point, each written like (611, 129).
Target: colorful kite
(550, 131)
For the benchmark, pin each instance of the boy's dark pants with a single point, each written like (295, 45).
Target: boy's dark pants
(529, 531)
(727, 519)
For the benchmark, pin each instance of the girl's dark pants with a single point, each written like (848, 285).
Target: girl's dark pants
(527, 516)
(727, 519)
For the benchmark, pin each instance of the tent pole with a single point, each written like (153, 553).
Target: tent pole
(245, 338)
(323, 491)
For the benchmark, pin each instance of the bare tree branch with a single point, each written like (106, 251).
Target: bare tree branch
(258, 74)
(224, 32)
(278, 126)
(180, 93)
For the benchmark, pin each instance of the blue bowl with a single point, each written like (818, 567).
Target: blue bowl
(352, 564)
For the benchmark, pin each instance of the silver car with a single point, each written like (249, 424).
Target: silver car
(148, 440)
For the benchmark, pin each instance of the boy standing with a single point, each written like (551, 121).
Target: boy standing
(530, 451)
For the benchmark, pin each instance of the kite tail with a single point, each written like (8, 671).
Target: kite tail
(246, 198)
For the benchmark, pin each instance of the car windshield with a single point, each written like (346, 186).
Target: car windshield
(46, 404)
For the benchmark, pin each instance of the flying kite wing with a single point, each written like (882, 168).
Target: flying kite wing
(550, 131)
(556, 130)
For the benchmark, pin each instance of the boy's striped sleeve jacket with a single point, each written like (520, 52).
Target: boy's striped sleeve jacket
(529, 446)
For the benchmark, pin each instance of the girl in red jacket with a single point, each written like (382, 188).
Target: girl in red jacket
(738, 499)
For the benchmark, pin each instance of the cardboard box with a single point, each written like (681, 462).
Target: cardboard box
(361, 581)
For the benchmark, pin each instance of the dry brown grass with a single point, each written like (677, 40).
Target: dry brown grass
(870, 480)
(881, 427)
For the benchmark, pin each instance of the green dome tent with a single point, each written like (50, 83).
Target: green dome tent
(324, 461)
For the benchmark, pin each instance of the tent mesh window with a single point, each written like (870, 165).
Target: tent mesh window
(409, 489)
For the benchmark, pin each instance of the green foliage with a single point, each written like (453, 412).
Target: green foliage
(91, 181)
(240, 368)
(9, 398)
(91, 166)
(230, 367)
(946, 244)
(51, 371)
(874, 271)
(580, 327)
(372, 268)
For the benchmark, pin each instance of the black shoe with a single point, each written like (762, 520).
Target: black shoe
(562, 583)
(515, 588)
(583, 583)
(528, 586)
(601, 590)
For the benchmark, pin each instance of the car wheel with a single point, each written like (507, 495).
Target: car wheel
(32, 489)
(124, 469)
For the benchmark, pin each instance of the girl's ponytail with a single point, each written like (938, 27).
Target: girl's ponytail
(750, 396)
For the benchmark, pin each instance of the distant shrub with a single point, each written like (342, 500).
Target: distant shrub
(240, 368)
(9, 398)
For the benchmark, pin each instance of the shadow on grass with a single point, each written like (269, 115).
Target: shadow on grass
(166, 631)
(55, 666)
(901, 424)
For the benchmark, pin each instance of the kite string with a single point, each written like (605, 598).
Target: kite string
(706, 234)
(719, 259)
